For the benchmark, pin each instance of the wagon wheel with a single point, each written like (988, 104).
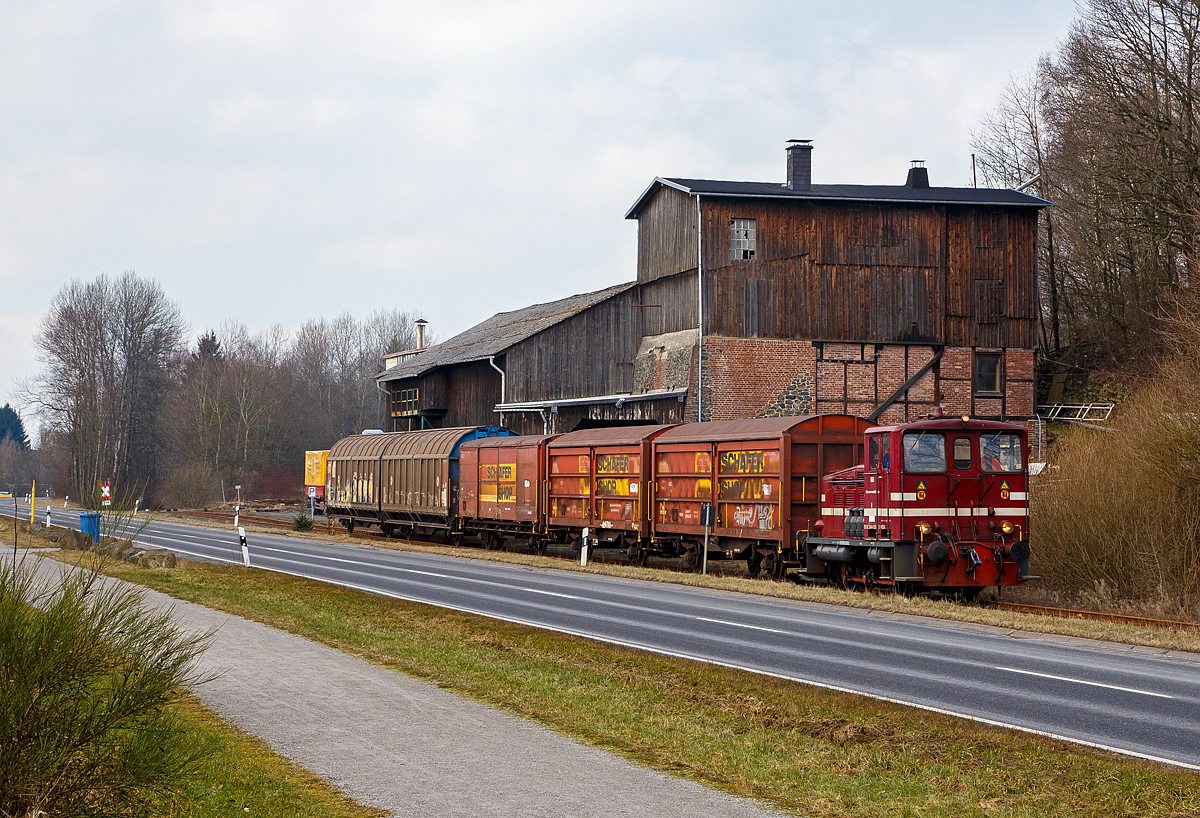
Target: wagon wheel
(491, 541)
(773, 565)
(350, 525)
(643, 557)
(754, 563)
(539, 545)
(692, 558)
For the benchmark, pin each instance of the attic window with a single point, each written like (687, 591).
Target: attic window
(741, 239)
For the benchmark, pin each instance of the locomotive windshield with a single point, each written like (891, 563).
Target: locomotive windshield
(924, 453)
(1000, 452)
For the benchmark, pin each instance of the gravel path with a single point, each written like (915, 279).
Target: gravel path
(404, 745)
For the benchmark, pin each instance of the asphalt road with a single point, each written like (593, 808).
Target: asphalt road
(1138, 701)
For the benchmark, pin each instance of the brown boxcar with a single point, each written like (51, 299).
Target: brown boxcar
(406, 481)
(502, 488)
(597, 479)
(352, 479)
(764, 477)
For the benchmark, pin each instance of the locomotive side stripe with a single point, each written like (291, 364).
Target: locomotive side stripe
(1017, 511)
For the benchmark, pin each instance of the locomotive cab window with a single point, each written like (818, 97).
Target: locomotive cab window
(1000, 453)
(924, 453)
(742, 239)
(962, 453)
(879, 449)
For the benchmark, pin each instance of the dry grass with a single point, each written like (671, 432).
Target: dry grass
(1117, 516)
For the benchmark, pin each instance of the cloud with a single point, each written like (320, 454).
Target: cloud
(273, 162)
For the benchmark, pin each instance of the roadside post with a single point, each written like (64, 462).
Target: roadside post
(33, 504)
(583, 549)
(237, 512)
(245, 547)
(708, 518)
(47, 515)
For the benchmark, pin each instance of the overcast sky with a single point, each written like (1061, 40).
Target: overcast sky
(275, 162)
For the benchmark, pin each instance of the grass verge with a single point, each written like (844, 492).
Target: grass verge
(891, 603)
(245, 778)
(796, 747)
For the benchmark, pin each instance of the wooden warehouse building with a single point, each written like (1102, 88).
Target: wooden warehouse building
(760, 299)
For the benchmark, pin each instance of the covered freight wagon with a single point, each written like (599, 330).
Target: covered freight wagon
(764, 477)
(598, 479)
(399, 481)
(502, 489)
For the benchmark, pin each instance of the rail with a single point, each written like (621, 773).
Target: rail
(1070, 613)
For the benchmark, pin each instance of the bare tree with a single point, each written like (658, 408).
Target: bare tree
(110, 350)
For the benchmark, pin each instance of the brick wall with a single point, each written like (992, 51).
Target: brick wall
(750, 377)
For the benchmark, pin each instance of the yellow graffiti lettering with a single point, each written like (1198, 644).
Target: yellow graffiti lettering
(743, 462)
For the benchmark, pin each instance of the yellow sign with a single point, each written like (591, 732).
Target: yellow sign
(921, 490)
(1004, 490)
(314, 467)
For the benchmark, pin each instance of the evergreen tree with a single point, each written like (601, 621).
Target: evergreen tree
(11, 428)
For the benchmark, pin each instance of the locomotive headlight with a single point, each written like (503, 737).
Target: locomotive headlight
(966, 418)
(924, 528)
(1007, 527)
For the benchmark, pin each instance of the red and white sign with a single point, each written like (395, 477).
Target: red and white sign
(106, 493)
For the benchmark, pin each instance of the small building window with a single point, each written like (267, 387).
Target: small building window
(741, 239)
(406, 402)
(989, 374)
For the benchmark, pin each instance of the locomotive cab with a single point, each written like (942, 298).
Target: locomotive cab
(939, 504)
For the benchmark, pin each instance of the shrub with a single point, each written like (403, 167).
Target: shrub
(87, 677)
(1117, 516)
(302, 522)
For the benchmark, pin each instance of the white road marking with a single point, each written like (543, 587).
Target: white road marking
(743, 625)
(1085, 682)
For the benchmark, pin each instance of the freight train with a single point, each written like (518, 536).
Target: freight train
(936, 505)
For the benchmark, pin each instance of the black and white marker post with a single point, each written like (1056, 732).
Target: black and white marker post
(583, 546)
(245, 547)
(708, 518)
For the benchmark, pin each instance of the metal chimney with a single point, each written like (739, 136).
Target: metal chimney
(421, 322)
(799, 171)
(918, 174)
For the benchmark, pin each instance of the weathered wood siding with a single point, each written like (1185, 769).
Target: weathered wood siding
(895, 272)
(666, 235)
(590, 353)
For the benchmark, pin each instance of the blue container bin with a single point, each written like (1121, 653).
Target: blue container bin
(90, 524)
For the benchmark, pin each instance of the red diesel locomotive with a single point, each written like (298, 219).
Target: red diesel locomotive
(938, 504)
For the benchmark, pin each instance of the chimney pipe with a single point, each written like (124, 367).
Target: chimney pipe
(918, 174)
(799, 168)
(421, 322)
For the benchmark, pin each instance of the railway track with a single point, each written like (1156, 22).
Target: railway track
(1070, 613)
(1015, 607)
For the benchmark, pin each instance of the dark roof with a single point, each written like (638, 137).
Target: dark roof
(842, 193)
(608, 436)
(498, 333)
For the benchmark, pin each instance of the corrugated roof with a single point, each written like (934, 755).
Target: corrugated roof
(842, 193)
(498, 333)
